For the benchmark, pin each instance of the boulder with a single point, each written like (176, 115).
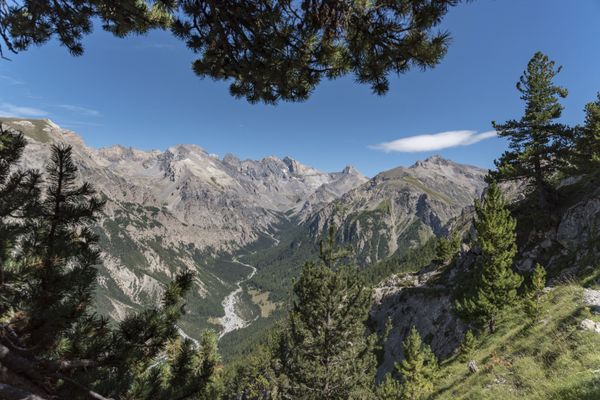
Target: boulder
(589, 325)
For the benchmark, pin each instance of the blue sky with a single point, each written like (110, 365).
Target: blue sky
(141, 92)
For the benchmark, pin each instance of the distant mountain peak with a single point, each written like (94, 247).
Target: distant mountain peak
(350, 170)
(432, 160)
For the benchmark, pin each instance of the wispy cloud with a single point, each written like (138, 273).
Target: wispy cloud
(88, 112)
(431, 142)
(10, 80)
(11, 110)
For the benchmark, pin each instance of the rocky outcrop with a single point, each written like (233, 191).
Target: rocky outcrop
(409, 300)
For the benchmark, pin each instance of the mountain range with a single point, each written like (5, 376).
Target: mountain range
(241, 224)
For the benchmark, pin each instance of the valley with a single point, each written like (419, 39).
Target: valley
(232, 320)
(243, 225)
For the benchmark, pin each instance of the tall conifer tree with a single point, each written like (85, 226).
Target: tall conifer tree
(495, 282)
(325, 351)
(418, 369)
(52, 344)
(587, 152)
(539, 145)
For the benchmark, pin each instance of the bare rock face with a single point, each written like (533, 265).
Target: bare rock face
(580, 224)
(400, 208)
(429, 310)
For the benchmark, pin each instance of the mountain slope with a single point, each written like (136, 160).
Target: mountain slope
(182, 208)
(400, 208)
(392, 213)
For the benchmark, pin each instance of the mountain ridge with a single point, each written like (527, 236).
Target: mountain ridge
(184, 208)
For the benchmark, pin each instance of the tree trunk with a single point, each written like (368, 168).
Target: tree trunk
(492, 325)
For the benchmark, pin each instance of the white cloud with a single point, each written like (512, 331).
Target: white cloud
(11, 110)
(10, 80)
(431, 142)
(80, 110)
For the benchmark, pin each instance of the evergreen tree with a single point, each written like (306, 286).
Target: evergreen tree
(52, 345)
(532, 302)
(324, 350)
(418, 369)
(538, 144)
(271, 50)
(586, 157)
(389, 389)
(495, 282)
(19, 192)
(467, 346)
(446, 249)
(255, 376)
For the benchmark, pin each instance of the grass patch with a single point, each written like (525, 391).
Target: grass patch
(551, 360)
(261, 299)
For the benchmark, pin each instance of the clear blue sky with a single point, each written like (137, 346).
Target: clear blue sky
(141, 92)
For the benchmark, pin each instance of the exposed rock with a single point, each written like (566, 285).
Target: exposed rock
(580, 224)
(589, 325)
(591, 298)
(408, 300)
(473, 368)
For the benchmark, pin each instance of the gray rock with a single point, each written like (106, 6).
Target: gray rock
(589, 325)
(473, 368)
(580, 224)
(591, 298)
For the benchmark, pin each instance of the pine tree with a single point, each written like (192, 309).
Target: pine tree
(389, 389)
(324, 350)
(586, 157)
(446, 249)
(52, 344)
(533, 306)
(495, 282)
(270, 50)
(19, 193)
(467, 346)
(539, 145)
(418, 369)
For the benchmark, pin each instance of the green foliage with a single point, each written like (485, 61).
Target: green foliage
(467, 346)
(186, 373)
(554, 360)
(321, 350)
(272, 50)
(51, 342)
(19, 191)
(255, 375)
(408, 260)
(28, 23)
(586, 157)
(495, 282)
(389, 389)
(446, 249)
(324, 350)
(418, 369)
(538, 144)
(534, 292)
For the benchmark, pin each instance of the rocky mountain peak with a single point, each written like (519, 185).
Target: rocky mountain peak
(350, 170)
(293, 165)
(434, 160)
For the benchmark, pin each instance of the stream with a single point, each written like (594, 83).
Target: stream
(232, 321)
